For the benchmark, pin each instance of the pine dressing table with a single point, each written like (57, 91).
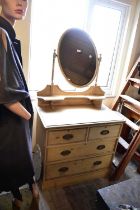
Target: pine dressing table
(77, 134)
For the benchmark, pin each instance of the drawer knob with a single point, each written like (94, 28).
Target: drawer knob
(65, 152)
(100, 147)
(63, 169)
(104, 132)
(68, 136)
(98, 162)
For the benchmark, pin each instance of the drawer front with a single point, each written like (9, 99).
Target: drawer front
(66, 136)
(106, 131)
(77, 166)
(97, 147)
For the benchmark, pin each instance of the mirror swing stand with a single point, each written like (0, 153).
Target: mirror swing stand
(52, 96)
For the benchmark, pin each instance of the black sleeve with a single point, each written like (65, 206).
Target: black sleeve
(11, 82)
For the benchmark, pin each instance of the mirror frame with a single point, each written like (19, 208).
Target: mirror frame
(96, 59)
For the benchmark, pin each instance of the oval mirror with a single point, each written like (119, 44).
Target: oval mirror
(77, 57)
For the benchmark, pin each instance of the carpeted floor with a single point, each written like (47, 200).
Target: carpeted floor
(6, 204)
(27, 204)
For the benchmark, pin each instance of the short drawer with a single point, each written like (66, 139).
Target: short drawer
(97, 147)
(105, 131)
(66, 136)
(77, 166)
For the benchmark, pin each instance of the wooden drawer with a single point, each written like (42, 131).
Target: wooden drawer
(75, 178)
(66, 136)
(105, 131)
(97, 147)
(77, 166)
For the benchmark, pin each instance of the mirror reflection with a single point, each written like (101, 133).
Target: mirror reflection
(77, 57)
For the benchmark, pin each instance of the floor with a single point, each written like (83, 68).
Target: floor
(75, 197)
(83, 196)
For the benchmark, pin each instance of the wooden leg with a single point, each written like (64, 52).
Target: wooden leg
(127, 157)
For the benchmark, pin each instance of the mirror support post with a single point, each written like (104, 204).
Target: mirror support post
(99, 61)
(53, 65)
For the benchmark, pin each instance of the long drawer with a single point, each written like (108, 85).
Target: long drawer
(96, 147)
(66, 136)
(77, 166)
(104, 131)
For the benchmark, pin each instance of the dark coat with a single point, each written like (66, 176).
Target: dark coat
(16, 168)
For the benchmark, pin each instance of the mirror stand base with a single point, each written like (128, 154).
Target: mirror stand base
(53, 96)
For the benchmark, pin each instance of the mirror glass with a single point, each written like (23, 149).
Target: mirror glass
(77, 57)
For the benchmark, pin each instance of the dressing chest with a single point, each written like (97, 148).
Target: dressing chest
(76, 133)
(77, 144)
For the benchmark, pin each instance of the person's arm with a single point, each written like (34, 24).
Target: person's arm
(18, 109)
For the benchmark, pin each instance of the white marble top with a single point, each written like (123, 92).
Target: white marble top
(70, 116)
